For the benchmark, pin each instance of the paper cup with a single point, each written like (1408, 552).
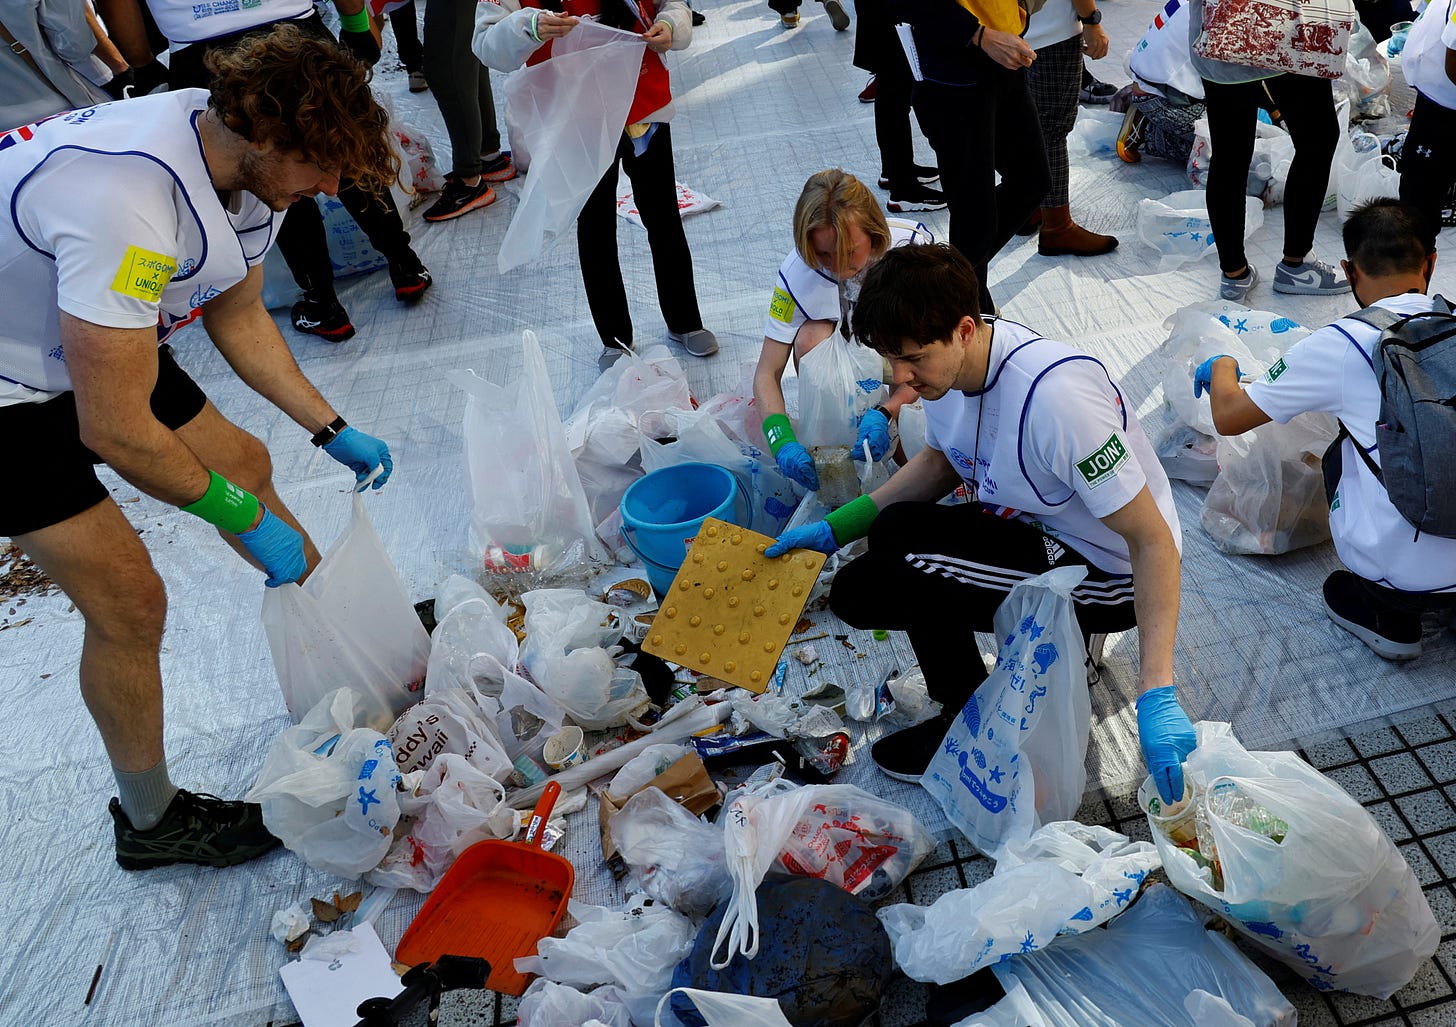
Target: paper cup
(565, 749)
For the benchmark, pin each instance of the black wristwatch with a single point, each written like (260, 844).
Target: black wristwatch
(329, 432)
(1095, 18)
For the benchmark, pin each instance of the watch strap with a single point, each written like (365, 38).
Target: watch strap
(329, 432)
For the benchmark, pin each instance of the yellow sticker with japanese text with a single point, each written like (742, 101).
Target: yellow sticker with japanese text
(781, 307)
(143, 274)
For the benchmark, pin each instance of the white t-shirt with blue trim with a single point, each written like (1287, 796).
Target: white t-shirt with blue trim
(111, 216)
(803, 293)
(1331, 371)
(1050, 440)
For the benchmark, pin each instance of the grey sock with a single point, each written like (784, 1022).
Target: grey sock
(145, 795)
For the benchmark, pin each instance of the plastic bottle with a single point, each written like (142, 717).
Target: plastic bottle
(1260, 172)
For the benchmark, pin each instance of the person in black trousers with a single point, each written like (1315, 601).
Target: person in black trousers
(301, 239)
(877, 50)
(975, 106)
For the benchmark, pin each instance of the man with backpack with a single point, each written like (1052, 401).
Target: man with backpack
(1388, 372)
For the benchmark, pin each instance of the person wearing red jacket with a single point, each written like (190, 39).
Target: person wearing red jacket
(512, 33)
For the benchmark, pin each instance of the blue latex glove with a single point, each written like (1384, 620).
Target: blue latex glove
(361, 453)
(279, 548)
(1203, 374)
(797, 465)
(818, 536)
(1167, 738)
(874, 427)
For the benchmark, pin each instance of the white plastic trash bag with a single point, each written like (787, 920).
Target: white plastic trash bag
(1306, 872)
(1095, 133)
(1016, 756)
(857, 841)
(449, 720)
(564, 118)
(351, 624)
(635, 947)
(719, 1009)
(1177, 226)
(1362, 173)
(674, 856)
(548, 1004)
(327, 788)
(1065, 879)
(1269, 496)
(566, 632)
(527, 510)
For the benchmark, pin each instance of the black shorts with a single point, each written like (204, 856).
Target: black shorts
(51, 476)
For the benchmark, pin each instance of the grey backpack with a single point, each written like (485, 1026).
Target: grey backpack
(1415, 367)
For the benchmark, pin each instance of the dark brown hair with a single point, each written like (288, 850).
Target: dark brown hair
(917, 294)
(1387, 237)
(305, 95)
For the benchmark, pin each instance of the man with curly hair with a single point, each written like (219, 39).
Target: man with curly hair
(124, 222)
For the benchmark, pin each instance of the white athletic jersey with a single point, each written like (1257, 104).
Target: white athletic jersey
(803, 293)
(1424, 58)
(1331, 371)
(110, 215)
(1058, 447)
(183, 21)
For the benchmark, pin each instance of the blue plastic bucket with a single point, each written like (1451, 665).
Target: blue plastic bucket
(663, 510)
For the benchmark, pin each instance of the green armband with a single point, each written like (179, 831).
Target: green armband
(225, 506)
(779, 432)
(357, 22)
(852, 520)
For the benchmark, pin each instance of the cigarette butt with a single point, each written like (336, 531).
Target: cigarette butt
(95, 980)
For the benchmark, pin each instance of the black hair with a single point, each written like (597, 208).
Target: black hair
(1387, 237)
(916, 294)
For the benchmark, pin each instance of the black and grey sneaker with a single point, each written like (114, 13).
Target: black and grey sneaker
(905, 754)
(197, 828)
(611, 353)
(914, 197)
(1390, 634)
(1094, 90)
(322, 315)
(923, 175)
(457, 198)
(410, 278)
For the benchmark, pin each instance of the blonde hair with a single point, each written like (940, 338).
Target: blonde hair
(836, 199)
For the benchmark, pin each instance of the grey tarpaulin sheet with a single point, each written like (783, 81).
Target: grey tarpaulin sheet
(759, 109)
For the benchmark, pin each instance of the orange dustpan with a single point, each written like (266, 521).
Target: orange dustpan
(496, 902)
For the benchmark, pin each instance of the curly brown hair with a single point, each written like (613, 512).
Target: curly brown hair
(305, 95)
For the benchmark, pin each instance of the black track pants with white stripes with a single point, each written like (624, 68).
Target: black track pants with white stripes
(939, 572)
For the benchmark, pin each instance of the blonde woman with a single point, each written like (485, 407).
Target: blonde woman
(839, 232)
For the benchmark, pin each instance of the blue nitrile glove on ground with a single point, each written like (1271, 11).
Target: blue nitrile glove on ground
(279, 548)
(797, 465)
(874, 427)
(818, 536)
(1167, 737)
(1203, 374)
(361, 453)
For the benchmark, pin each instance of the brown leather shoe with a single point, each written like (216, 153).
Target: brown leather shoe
(1063, 237)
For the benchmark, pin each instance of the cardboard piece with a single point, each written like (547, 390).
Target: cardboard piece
(686, 782)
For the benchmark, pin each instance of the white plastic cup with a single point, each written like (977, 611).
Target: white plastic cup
(566, 748)
(1179, 828)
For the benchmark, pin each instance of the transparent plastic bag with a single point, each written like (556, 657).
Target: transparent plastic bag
(837, 833)
(1269, 496)
(528, 510)
(327, 788)
(1016, 757)
(564, 117)
(1177, 226)
(723, 1010)
(548, 1004)
(1094, 134)
(1332, 897)
(674, 856)
(351, 624)
(838, 381)
(1140, 969)
(634, 947)
(566, 632)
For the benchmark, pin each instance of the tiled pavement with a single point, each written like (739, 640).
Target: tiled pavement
(1405, 775)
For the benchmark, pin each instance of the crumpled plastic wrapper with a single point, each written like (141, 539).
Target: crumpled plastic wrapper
(290, 923)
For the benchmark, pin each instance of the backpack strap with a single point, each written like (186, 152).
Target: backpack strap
(1379, 318)
(1344, 434)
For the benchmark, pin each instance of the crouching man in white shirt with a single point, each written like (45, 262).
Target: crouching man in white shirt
(1393, 572)
(1060, 472)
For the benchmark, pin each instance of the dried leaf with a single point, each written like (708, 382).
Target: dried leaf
(325, 912)
(804, 625)
(348, 903)
(297, 943)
